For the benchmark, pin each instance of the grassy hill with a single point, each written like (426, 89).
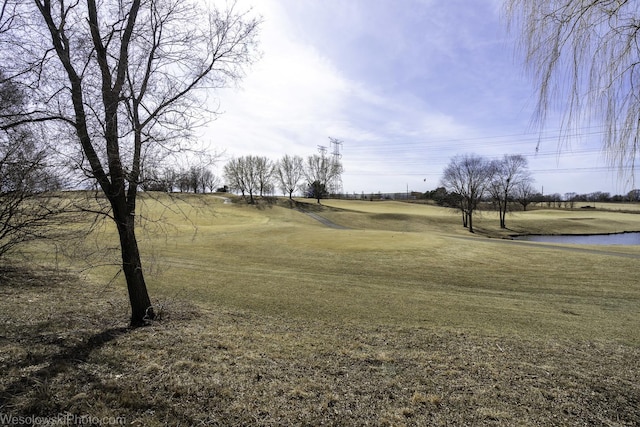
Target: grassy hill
(270, 317)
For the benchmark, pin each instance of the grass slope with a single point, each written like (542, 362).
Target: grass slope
(271, 318)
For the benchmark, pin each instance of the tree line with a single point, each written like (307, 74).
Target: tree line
(196, 179)
(317, 176)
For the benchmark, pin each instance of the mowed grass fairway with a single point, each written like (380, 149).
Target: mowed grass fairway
(400, 264)
(398, 317)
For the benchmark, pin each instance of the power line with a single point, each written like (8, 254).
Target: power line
(594, 169)
(492, 140)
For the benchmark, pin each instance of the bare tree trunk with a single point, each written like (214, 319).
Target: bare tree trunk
(503, 209)
(141, 308)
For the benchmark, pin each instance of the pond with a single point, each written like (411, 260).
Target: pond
(590, 239)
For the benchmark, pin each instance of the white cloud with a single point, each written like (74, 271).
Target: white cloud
(286, 100)
(295, 97)
(404, 96)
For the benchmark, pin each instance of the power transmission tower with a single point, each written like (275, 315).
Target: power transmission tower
(335, 149)
(336, 156)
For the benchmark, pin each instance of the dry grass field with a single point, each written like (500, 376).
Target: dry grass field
(270, 317)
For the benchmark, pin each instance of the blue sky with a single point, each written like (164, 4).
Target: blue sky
(406, 85)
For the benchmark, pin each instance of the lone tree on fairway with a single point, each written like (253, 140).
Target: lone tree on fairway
(317, 190)
(123, 76)
(585, 58)
(468, 175)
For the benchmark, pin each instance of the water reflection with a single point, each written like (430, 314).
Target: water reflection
(591, 239)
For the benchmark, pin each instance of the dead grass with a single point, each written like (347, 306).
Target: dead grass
(277, 261)
(64, 348)
(400, 216)
(269, 318)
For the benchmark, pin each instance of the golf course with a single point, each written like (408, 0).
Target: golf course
(348, 312)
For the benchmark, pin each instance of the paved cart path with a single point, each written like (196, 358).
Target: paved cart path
(323, 220)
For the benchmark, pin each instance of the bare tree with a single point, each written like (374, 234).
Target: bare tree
(264, 174)
(321, 172)
(208, 180)
(235, 176)
(289, 172)
(585, 59)
(194, 175)
(196, 179)
(525, 194)
(8, 14)
(247, 174)
(508, 173)
(183, 180)
(125, 77)
(158, 179)
(469, 176)
(28, 209)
